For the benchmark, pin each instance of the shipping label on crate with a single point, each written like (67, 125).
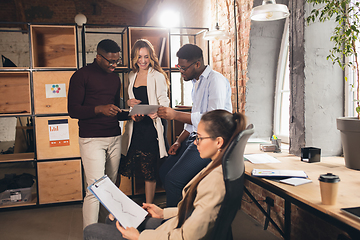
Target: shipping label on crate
(55, 90)
(59, 132)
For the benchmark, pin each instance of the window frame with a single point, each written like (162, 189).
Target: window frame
(282, 71)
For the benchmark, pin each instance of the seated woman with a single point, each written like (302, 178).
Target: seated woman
(195, 215)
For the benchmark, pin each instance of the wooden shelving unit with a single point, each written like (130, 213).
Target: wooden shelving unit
(39, 92)
(26, 93)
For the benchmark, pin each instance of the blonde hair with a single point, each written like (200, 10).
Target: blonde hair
(154, 61)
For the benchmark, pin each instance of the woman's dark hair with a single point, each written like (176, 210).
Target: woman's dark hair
(218, 123)
(154, 61)
(108, 45)
(190, 52)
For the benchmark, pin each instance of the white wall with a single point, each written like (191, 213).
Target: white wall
(324, 89)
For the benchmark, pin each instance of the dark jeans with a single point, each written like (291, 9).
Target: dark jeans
(108, 230)
(179, 169)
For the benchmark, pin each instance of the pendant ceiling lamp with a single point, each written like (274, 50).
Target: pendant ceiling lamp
(80, 19)
(269, 11)
(216, 34)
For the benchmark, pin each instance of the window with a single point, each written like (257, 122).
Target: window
(350, 84)
(282, 93)
(180, 89)
(350, 89)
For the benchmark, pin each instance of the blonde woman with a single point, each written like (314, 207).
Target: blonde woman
(145, 144)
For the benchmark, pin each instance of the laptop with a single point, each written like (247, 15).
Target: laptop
(353, 212)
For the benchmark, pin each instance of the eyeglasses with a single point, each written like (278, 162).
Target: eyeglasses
(198, 139)
(117, 62)
(185, 68)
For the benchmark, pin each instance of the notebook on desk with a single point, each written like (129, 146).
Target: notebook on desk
(353, 212)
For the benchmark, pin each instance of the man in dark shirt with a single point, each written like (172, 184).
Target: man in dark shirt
(94, 98)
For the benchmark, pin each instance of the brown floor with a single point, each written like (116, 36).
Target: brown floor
(64, 222)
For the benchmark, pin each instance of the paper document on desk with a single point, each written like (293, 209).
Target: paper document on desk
(295, 181)
(125, 210)
(260, 158)
(278, 173)
(257, 140)
(143, 109)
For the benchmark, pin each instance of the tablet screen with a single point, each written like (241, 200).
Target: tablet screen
(354, 211)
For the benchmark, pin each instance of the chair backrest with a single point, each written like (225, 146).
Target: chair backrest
(233, 171)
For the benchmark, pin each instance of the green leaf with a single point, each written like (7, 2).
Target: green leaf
(358, 109)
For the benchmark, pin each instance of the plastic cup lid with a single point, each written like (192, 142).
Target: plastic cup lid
(329, 177)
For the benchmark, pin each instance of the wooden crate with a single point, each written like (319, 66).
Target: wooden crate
(50, 91)
(59, 181)
(45, 150)
(53, 46)
(15, 92)
(157, 36)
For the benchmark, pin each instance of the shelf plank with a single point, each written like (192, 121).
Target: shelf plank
(17, 157)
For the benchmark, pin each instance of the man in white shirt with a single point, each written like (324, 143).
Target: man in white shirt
(211, 90)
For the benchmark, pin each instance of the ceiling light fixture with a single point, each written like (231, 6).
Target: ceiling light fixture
(216, 34)
(170, 19)
(80, 19)
(269, 11)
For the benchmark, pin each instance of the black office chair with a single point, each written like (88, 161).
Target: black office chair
(233, 170)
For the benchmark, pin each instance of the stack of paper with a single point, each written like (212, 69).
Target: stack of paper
(278, 173)
(295, 181)
(260, 158)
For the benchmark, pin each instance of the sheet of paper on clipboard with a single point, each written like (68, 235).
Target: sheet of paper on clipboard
(143, 109)
(125, 210)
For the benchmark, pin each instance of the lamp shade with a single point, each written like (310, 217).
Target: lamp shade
(269, 11)
(80, 19)
(216, 34)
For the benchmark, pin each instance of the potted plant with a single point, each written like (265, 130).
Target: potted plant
(346, 33)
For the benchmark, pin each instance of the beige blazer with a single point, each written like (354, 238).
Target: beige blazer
(210, 195)
(157, 93)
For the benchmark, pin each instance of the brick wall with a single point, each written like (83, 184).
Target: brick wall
(223, 52)
(64, 11)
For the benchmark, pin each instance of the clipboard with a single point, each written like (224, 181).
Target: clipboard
(125, 210)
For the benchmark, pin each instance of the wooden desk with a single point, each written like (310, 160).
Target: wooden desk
(308, 196)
